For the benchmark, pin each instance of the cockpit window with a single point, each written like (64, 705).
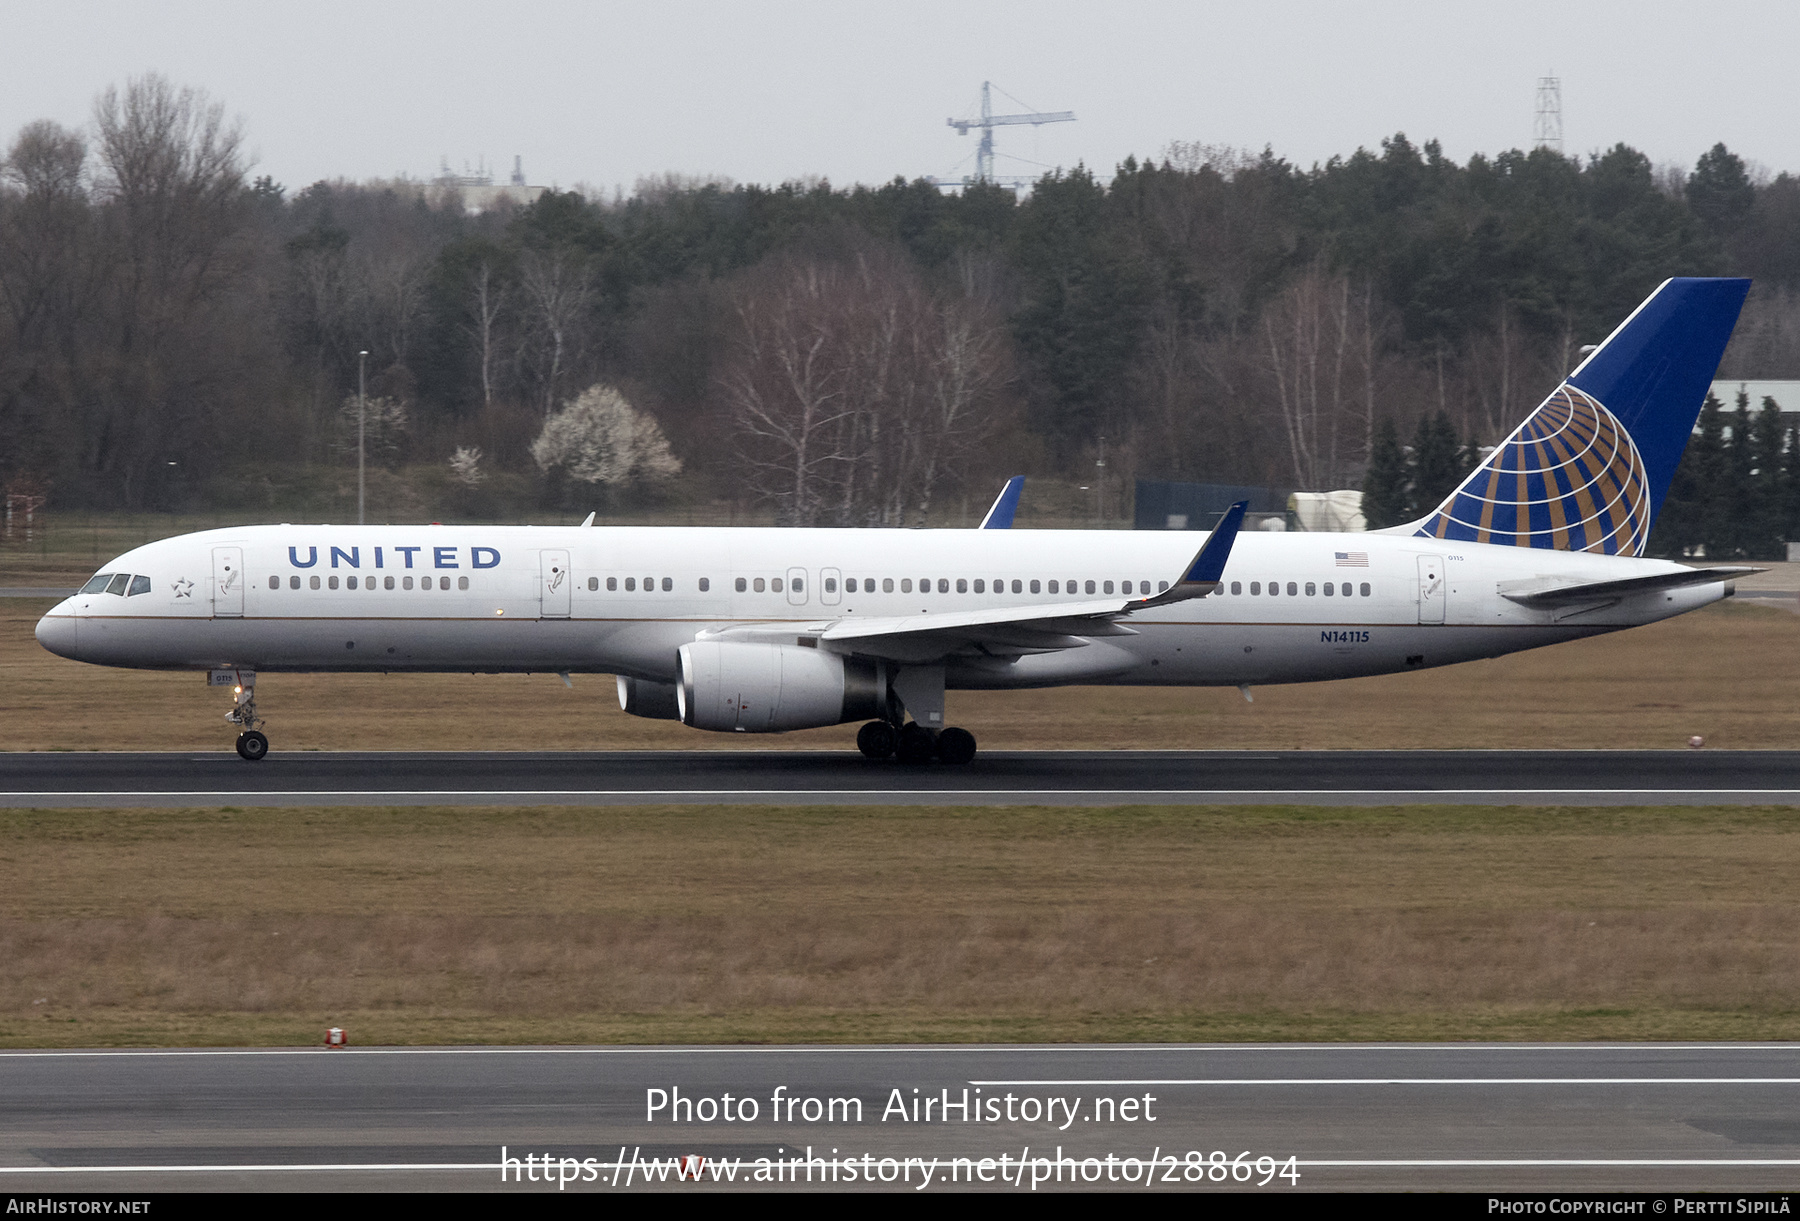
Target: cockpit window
(119, 584)
(98, 584)
(139, 585)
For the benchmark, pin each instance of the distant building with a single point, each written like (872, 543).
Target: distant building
(478, 189)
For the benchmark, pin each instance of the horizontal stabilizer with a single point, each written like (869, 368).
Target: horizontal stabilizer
(1546, 591)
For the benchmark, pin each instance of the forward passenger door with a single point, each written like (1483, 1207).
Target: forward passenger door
(228, 582)
(555, 585)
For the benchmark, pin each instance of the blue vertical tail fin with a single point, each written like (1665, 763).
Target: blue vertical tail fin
(1588, 470)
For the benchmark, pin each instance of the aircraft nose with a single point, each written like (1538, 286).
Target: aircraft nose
(57, 630)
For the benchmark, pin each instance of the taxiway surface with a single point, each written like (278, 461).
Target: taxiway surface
(1697, 777)
(1444, 1116)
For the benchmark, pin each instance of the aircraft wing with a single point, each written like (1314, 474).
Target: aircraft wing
(1010, 631)
(1548, 591)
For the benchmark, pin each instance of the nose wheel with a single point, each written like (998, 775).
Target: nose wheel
(252, 744)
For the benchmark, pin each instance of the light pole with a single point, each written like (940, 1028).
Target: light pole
(362, 362)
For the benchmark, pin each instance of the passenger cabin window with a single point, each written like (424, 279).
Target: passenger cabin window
(1365, 589)
(313, 582)
(1327, 590)
(405, 582)
(758, 585)
(1293, 589)
(905, 585)
(593, 584)
(274, 582)
(740, 584)
(1309, 589)
(612, 585)
(294, 582)
(443, 582)
(962, 585)
(775, 584)
(630, 585)
(387, 582)
(333, 583)
(799, 584)
(461, 582)
(831, 585)
(1163, 586)
(705, 584)
(1107, 588)
(887, 585)
(1255, 588)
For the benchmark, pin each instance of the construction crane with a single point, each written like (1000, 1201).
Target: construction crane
(984, 156)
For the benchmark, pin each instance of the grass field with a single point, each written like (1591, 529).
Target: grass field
(683, 924)
(1726, 673)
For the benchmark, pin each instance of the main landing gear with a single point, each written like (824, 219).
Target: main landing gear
(913, 743)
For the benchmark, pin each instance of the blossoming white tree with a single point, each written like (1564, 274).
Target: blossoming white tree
(601, 438)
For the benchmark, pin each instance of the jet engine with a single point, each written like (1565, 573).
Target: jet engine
(751, 687)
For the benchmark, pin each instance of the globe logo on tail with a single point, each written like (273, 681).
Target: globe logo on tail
(1569, 478)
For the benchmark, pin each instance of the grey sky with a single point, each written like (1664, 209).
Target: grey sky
(602, 93)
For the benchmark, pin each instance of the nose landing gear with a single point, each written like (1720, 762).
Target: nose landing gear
(252, 744)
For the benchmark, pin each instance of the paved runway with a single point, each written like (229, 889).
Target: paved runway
(1696, 777)
(1461, 1116)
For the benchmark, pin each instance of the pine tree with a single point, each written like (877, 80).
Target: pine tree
(1385, 497)
(1764, 533)
(1790, 487)
(1437, 463)
(1711, 476)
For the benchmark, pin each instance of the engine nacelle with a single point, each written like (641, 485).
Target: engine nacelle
(750, 687)
(641, 697)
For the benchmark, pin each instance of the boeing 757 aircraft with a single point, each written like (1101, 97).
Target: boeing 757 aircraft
(764, 630)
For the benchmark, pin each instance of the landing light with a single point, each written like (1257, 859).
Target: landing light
(499, 612)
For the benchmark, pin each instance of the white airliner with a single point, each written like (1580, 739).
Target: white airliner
(764, 630)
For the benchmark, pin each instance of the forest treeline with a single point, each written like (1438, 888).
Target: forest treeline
(174, 329)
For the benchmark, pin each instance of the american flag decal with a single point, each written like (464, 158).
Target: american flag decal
(1352, 559)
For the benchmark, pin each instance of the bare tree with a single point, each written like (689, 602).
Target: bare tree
(171, 185)
(486, 302)
(853, 389)
(558, 288)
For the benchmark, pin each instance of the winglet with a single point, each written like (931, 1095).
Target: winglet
(1208, 564)
(1000, 516)
(589, 521)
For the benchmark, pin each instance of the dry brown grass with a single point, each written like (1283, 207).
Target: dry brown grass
(1726, 673)
(678, 924)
